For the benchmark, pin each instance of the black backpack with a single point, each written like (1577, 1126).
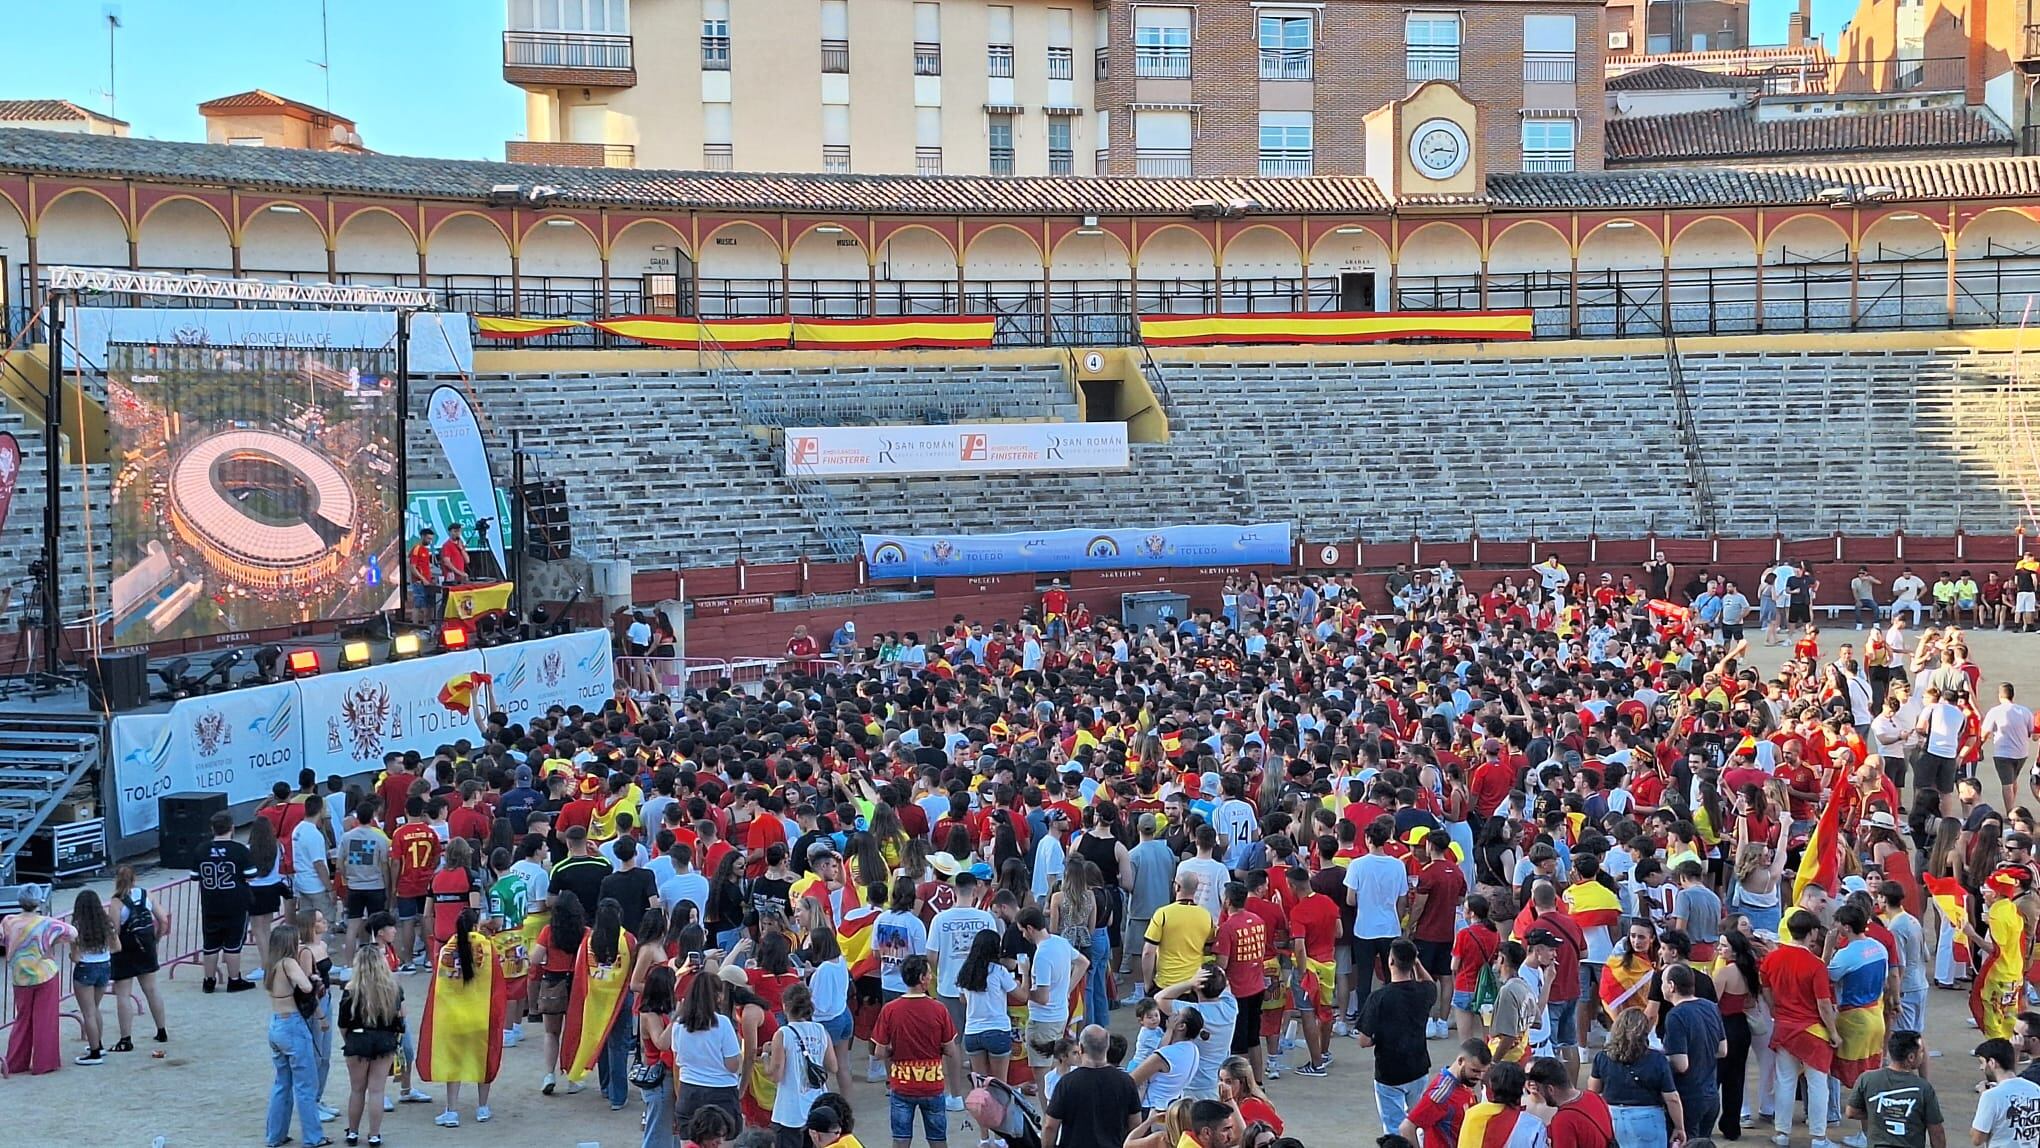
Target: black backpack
(139, 930)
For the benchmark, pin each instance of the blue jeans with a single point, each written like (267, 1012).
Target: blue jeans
(1912, 1010)
(1640, 1126)
(934, 1117)
(1393, 1101)
(613, 1065)
(1097, 997)
(659, 1114)
(297, 1079)
(322, 1042)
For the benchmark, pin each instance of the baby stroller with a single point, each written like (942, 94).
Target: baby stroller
(1000, 1110)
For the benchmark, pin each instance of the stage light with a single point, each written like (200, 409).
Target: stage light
(220, 665)
(354, 655)
(455, 636)
(265, 666)
(303, 663)
(489, 630)
(172, 675)
(405, 645)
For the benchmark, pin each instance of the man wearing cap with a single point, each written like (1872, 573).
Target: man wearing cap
(949, 939)
(843, 642)
(2002, 946)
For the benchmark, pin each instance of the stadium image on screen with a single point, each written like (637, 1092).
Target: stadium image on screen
(255, 487)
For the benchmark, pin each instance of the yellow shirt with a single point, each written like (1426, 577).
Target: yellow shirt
(1180, 934)
(2007, 931)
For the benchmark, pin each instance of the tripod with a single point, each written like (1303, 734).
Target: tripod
(25, 672)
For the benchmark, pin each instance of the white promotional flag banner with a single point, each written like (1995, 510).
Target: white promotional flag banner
(528, 678)
(352, 719)
(460, 436)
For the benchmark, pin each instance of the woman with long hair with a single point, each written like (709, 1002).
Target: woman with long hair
(658, 937)
(268, 888)
(93, 973)
(988, 988)
(1759, 876)
(866, 863)
(139, 924)
(1014, 878)
(317, 961)
(598, 1028)
(708, 1050)
(655, 1036)
(371, 1030)
(1237, 1087)
(292, 1004)
(801, 1061)
(461, 1038)
(559, 946)
(771, 972)
(1073, 915)
(726, 902)
(1740, 990)
(1636, 1081)
(829, 988)
(1946, 869)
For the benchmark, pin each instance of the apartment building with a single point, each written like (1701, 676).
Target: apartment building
(1037, 87)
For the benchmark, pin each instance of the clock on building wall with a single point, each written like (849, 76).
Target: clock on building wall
(1439, 148)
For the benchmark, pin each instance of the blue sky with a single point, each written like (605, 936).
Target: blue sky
(419, 77)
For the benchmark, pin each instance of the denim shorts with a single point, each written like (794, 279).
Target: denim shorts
(92, 974)
(998, 1042)
(840, 1026)
(1565, 1023)
(934, 1117)
(1463, 1001)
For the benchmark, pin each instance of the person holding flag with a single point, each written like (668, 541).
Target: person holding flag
(461, 1039)
(1625, 979)
(1994, 998)
(1500, 1121)
(1858, 969)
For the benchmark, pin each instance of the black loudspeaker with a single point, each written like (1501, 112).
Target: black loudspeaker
(184, 828)
(119, 681)
(547, 535)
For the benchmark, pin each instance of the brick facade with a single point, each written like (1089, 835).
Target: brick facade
(1359, 66)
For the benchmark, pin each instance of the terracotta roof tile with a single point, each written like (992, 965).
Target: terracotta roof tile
(1736, 134)
(1997, 177)
(1677, 78)
(47, 111)
(257, 100)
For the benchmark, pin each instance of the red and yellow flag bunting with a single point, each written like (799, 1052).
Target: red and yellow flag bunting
(1332, 327)
(765, 333)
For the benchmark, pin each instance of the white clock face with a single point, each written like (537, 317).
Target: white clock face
(1439, 148)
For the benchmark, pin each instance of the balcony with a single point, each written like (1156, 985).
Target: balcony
(570, 154)
(1062, 161)
(568, 58)
(1062, 64)
(1101, 65)
(927, 161)
(1287, 63)
(1547, 67)
(717, 157)
(715, 53)
(1165, 162)
(2031, 41)
(999, 61)
(927, 59)
(1284, 164)
(836, 159)
(1431, 62)
(1162, 61)
(835, 57)
(1547, 161)
(1002, 161)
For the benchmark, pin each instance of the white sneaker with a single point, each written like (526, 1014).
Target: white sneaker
(1782, 1140)
(548, 1084)
(447, 1119)
(1274, 1070)
(415, 1097)
(389, 1103)
(482, 1114)
(954, 1103)
(1339, 1028)
(574, 1086)
(326, 1113)
(511, 1037)
(1856, 1140)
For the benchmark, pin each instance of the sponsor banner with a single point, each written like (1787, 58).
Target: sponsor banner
(571, 670)
(439, 342)
(353, 718)
(955, 448)
(440, 509)
(1332, 327)
(238, 743)
(1181, 576)
(460, 437)
(1022, 552)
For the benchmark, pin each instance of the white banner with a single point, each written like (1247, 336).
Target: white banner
(572, 670)
(239, 743)
(439, 343)
(354, 718)
(460, 436)
(956, 448)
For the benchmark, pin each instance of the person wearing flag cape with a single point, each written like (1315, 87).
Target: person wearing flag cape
(601, 981)
(1994, 997)
(461, 1039)
(1500, 1121)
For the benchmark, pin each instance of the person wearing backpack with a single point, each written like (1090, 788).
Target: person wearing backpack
(134, 961)
(802, 1061)
(1474, 984)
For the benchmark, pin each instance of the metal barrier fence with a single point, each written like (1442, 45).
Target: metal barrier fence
(677, 675)
(178, 945)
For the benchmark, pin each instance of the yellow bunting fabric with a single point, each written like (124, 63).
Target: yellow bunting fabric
(1332, 327)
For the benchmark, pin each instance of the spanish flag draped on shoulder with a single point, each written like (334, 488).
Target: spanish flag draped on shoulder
(1821, 864)
(1491, 1125)
(1592, 904)
(597, 1000)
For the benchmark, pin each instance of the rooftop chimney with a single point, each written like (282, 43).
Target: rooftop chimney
(1796, 25)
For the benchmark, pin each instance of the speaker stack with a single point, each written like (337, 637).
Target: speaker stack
(119, 681)
(184, 826)
(547, 535)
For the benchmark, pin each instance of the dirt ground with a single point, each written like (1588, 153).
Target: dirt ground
(211, 1086)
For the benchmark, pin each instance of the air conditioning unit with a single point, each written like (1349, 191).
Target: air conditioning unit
(1618, 41)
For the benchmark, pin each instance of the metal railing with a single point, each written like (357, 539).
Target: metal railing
(531, 49)
(1002, 161)
(1427, 62)
(1879, 75)
(1288, 63)
(835, 56)
(1061, 161)
(1162, 61)
(927, 161)
(2031, 39)
(999, 61)
(1548, 67)
(1162, 162)
(1101, 64)
(715, 53)
(836, 159)
(180, 944)
(1061, 64)
(571, 154)
(1547, 161)
(927, 59)
(718, 156)
(1277, 164)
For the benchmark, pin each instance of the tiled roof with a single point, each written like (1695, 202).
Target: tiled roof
(259, 100)
(300, 170)
(1999, 177)
(1734, 133)
(48, 111)
(1677, 78)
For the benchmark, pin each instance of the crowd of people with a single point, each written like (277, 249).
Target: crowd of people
(1642, 892)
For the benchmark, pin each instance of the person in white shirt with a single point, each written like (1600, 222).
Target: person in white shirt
(2008, 737)
(950, 935)
(683, 883)
(1940, 724)
(311, 854)
(1377, 886)
(1853, 684)
(1905, 595)
(1051, 855)
(1055, 966)
(1207, 871)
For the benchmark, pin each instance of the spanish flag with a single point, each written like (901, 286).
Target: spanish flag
(1592, 905)
(1821, 863)
(853, 936)
(1951, 900)
(458, 694)
(1624, 982)
(472, 601)
(461, 1038)
(513, 962)
(834, 905)
(1491, 1125)
(597, 999)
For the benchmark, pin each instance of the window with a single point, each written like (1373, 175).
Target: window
(604, 17)
(1161, 141)
(999, 41)
(1431, 46)
(715, 124)
(715, 36)
(835, 36)
(836, 138)
(1548, 49)
(1061, 64)
(1161, 43)
(1062, 159)
(1285, 47)
(927, 39)
(1285, 143)
(1548, 145)
(999, 131)
(927, 161)
(1104, 139)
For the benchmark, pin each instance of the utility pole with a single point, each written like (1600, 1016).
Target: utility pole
(112, 13)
